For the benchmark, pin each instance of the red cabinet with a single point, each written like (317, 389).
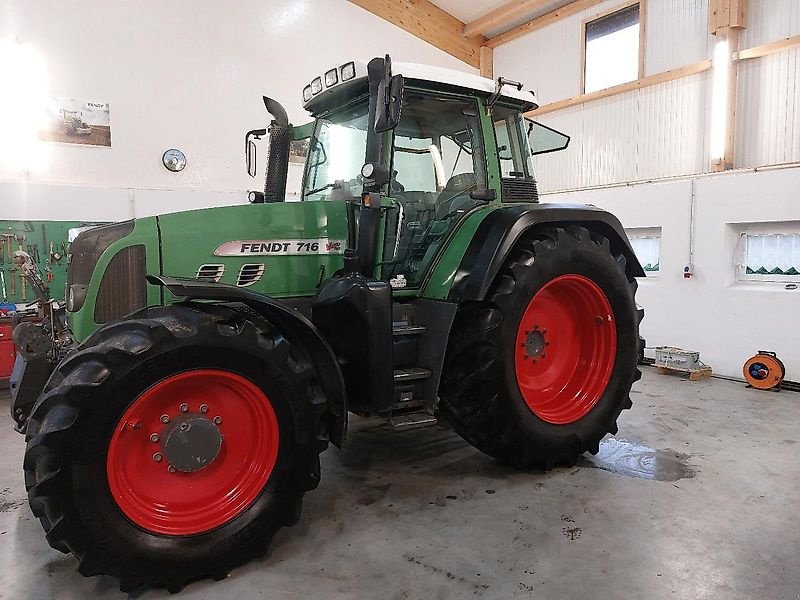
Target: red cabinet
(7, 353)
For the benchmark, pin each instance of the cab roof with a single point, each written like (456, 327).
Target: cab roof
(337, 93)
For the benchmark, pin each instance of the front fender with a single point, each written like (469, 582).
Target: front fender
(297, 328)
(501, 229)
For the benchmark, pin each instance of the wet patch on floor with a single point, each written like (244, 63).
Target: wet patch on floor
(633, 459)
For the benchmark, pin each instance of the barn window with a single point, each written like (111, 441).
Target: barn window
(613, 48)
(646, 244)
(763, 256)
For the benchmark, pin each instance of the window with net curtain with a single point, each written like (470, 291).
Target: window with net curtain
(611, 50)
(769, 256)
(646, 244)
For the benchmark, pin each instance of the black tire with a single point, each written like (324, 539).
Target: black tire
(480, 395)
(72, 423)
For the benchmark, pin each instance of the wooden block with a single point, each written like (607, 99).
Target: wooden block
(699, 374)
(694, 374)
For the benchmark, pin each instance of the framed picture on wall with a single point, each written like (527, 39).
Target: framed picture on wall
(72, 121)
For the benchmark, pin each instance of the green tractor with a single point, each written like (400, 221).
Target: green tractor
(175, 411)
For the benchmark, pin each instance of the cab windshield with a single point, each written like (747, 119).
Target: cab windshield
(336, 154)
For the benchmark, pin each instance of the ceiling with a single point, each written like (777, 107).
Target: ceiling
(469, 10)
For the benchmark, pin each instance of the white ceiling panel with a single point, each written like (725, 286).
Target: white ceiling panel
(469, 10)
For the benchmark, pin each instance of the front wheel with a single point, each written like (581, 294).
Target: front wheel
(173, 445)
(539, 372)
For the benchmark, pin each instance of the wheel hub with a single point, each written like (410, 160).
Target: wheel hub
(535, 343)
(192, 443)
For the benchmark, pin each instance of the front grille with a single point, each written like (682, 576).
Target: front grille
(86, 249)
(123, 288)
(517, 189)
(249, 274)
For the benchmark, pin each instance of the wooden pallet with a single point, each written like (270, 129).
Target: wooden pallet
(694, 374)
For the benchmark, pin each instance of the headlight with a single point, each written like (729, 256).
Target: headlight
(348, 71)
(331, 78)
(307, 93)
(316, 86)
(76, 297)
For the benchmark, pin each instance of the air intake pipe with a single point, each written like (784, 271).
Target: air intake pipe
(280, 133)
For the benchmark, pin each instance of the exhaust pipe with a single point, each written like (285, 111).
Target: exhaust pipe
(278, 162)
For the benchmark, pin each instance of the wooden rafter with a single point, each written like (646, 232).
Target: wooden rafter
(543, 21)
(430, 23)
(502, 16)
(767, 49)
(638, 84)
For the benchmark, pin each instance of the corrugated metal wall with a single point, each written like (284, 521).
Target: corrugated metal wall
(768, 110)
(649, 133)
(662, 131)
(768, 100)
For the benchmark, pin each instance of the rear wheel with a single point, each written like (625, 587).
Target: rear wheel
(539, 372)
(174, 444)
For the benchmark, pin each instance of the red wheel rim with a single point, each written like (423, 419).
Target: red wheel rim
(565, 349)
(170, 502)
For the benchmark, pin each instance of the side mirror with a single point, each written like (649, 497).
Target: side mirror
(390, 104)
(251, 151)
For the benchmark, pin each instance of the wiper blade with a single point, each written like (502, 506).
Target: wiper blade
(335, 185)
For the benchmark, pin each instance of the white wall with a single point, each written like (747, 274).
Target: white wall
(662, 131)
(725, 320)
(187, 74)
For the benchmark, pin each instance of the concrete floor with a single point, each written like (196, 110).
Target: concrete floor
(695, 498)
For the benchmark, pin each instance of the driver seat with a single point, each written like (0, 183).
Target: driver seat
(456, 186)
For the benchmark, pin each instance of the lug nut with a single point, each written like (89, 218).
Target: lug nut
(154, 437)
(217, 420)
(164, 419)
(184, 407)
(204, 408)
(157, 457)
(171, 469)
(544, 355)
(537, 327)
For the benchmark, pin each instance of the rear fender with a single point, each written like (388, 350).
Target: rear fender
(501, 229)
(297, 328)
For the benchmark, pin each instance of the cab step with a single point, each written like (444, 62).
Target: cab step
(404, 329)
(412, 374)
(411, 420)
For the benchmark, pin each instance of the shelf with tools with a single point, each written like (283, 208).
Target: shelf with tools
(47, 242)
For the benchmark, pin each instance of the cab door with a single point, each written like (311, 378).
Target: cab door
(439, 175)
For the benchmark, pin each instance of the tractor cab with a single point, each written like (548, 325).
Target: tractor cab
(429, 146)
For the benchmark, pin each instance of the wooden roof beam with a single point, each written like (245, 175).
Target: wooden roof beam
(429, 23)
